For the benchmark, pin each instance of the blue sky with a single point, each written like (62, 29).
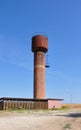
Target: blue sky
(60, 20)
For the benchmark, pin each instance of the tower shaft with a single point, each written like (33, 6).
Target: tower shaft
(39, 75)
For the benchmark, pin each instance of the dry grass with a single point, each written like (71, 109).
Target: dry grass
(71, 105)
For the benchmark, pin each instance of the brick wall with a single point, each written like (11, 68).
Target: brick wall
(54, 104)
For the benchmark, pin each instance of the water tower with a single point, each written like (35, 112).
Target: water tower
(39, 47)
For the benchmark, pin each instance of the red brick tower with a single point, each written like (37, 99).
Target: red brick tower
(39, 47)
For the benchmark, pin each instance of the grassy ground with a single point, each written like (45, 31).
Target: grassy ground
(71, 105)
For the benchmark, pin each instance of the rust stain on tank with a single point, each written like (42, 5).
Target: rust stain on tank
(39, 43)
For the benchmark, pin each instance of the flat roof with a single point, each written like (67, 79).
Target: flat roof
(22, 99)
(55, 99)
(28, 99)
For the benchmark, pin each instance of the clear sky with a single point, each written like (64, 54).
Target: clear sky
(60, 20)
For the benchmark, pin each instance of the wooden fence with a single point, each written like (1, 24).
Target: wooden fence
(14, 104)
